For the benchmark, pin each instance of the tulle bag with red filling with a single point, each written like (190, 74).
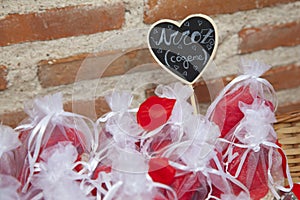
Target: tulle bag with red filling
(47, 125)
(225, 111)
(252, 156)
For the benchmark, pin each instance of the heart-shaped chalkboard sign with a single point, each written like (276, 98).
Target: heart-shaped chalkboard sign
(184, 49)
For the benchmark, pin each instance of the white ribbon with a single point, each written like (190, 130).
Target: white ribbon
(110, 114)
(89, 184)
(271, 183)
(37, 132)
(208, 170)
(112, 190)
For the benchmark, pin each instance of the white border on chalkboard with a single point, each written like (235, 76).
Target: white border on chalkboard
(179, 25)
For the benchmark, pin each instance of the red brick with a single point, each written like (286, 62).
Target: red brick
(89, 108)
(12, 118)
(60, 22)
(159, 9)
(269, 37)
(86, 67)
(3, 74)
(282, 77)
(58, 72)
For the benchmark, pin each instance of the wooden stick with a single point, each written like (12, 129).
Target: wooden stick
(193, 101)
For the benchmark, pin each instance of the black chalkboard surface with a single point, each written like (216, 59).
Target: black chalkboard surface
(184, 49)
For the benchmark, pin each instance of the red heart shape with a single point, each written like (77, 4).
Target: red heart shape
(154, 112)
(160, 171)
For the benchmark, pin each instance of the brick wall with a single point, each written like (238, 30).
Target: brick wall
(48, 47)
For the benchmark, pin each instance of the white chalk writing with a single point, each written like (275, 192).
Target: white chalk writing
(202, 37)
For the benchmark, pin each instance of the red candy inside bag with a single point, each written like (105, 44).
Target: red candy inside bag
(245, 88)
(227, 113)
(253, 173)
(58, 134)
(67, 134)
(154, 112)
(244, 112)
(48, 124)
(160, 171)
(188, 187)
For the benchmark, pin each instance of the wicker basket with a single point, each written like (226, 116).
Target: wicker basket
(288, 130)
